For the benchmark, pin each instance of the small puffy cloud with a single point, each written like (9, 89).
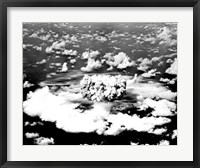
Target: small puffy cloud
(161, 108)
(173, 68)
(37, 48)
(26, 123)
(150, 73)
(120, 61)
(58, 52)
(33, 123)
(34, 35)
(168, 81)
(154, 59)
(72, 61)
(164, 142)
(174, 135)
(145, 64)
(49, 50)
(90, 54)
(173, 81)
(169, 61)
(42, 62)
(55, 36)
(31, 135)
(91, 65)
(58, 45)
(69, 52)
(110, 68)
(125, 63)
(158, 131)
(132, 143)
(64, 67)
(74, 38)
(139, 59)
(45, 37)
(165, 36)
(160, 63)
(66, 37)
(164, 80)
(55, 64)
(24, 46)
(171, 55)
(108, 56)
(101, 38)
(44, 141)
(27, 84)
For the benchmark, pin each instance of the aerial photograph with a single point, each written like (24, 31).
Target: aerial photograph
(100, 83)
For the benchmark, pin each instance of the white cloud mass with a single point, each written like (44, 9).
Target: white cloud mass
(90, 54)
(31, 135)
(120, 61)
(44, 141)
(173, 68)
(91, 65)
(52, 108)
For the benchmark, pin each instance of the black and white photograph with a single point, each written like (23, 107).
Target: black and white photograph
(100, 83)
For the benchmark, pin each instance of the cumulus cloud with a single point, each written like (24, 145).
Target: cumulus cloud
(42, 62)
(150, 73)
(58, 45)
(25, 46)
(37, 48)
(165, 36)
(49, 50)
(26, 123)
(154, 59)
(72, 61)
(34, 35)
(120, 61)
(158, 131)
(90, 54)
(108, 56)
(145, 64)
(160, 108)
(174, 134)
(169, 61)
(160, 63)
(45, 37)
(151, 90)
(69, 52)
(168, 81)
(64, 67)
(27, 84)
(52, 108)
(44, 141)
(31, 135)
(164, 142)
(55, 64)
(171, 55)
(91, 65)
(124, 121)
(32, 124)
(101, 38)
(173, 68)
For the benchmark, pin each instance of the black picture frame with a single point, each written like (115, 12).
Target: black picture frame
(4, 4)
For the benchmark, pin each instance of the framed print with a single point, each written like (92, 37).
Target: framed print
(101, 84)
